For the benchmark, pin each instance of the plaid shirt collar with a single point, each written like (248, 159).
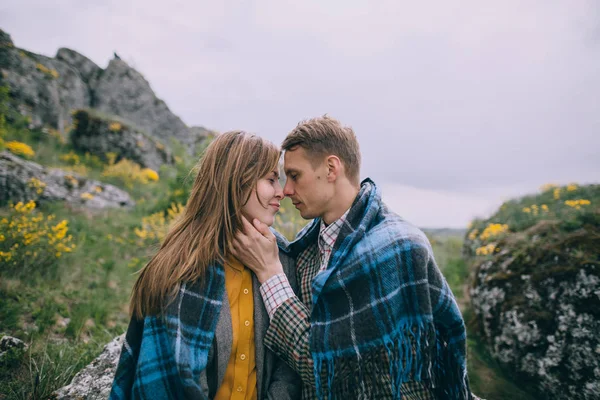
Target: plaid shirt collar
(328, 233)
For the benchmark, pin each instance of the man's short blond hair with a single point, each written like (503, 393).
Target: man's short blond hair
(324, 136)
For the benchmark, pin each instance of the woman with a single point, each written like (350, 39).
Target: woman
(198, 320)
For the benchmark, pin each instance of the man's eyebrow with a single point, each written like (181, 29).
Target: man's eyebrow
(290, 171)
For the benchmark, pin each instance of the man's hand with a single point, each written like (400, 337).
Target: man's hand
(256, 247)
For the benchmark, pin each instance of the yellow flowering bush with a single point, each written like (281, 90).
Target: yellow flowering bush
(70, 158)
(535, 209)
(150, 174)
(37, 185)
(129, 172)
(493, 230)
(31, 241)
(572, 206)
(557, 194)
(485, 250)
(87, 196)
(156, 226)
(577, 204)
(473, 234)
(20, 149)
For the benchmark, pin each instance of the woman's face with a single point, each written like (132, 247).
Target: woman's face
(264, 204)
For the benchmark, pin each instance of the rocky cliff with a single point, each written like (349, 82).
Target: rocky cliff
(47, 90)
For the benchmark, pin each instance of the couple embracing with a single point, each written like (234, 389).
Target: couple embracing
(354, 307)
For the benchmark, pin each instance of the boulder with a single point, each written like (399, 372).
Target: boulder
(538, 305)
(100, 134)
(22, 180)
(9, 343)
(94, 381)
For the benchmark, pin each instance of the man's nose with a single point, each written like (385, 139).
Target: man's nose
(288, 189)
(279, 192)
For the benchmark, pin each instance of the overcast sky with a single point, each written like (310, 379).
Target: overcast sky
(458, 105)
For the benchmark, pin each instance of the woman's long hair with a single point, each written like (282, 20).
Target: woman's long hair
(227, 176)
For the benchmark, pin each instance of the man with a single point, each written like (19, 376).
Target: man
(374, 317)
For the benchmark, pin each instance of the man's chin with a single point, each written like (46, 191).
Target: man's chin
(307, 215)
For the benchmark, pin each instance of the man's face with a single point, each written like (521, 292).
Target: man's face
(306, 184)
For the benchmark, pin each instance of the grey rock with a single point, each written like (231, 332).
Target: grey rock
(538, 307)
(86, 68)
(95, 380)
(43, 88)
(123, 91)
(8, 343)
(17, 184)
(99, 134)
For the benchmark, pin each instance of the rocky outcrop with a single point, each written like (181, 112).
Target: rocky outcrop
(123, 91)
(47, 90)
(86, 68)
(94, 381)
(538, 303)
(42, 88)
(100, 134)
(22, 180)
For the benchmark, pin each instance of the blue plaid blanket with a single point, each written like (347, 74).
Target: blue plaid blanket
(163, 355)
(382, 293)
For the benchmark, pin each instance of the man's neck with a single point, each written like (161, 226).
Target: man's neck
(341, 202)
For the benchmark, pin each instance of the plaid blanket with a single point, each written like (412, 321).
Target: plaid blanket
(163, 356)
(382, 293)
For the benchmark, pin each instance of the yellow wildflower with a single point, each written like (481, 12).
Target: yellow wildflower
(20, 149)
(557, 194)
(493, 230)
(150, 174)
(70, 158)
(87, 196)
(485, 250)
(114, 127)
(6, 255)
(473, 234)
(37, 185)
(577, 203)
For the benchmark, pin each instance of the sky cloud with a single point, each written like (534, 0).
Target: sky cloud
(453, 102)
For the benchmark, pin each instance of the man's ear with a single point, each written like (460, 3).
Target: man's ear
(334, 168)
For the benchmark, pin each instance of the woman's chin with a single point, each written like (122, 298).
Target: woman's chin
(267, 221)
